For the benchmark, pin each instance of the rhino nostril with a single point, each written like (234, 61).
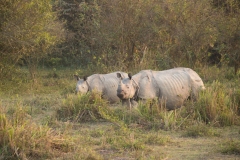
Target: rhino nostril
(120, 95)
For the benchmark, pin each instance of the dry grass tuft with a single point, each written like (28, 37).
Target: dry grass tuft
(20, 137)
(86, 107)
(231, 147)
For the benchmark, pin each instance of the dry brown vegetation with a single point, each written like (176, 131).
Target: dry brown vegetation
(119, 35)
(44, 43)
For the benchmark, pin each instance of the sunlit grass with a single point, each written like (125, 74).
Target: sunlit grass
(86, 107)
(156, 139)
(215, 106)
(50, 115)
(22, 138)
(200, 130)
(231, 147)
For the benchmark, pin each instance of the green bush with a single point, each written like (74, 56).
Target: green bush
(215, 106)
(200, 130)
(231, 147)
(85, 107)
(156, 139)
(151, 115)
(236, 99)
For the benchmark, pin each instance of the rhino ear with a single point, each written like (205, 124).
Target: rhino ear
(130, 75)
(119, 75)
(85, 78)
(76, 76)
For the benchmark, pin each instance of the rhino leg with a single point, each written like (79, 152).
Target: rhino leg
(127, 102)
(124, 102)
(130, 103)
(194, 95)
(134, 103)
(162, 103)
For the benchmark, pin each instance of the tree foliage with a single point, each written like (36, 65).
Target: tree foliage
(229, 28)
(166, 33)
(122, 34)
(28, 29)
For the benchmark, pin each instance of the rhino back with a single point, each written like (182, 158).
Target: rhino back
(146, 86)
(95, 83)
(196, 81)
(174, 87)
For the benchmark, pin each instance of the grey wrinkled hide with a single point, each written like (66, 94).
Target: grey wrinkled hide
(106, 84)
(196, 81)
(172, 86)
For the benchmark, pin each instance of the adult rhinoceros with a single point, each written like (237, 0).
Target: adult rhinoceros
(106, 84)
(173, 86)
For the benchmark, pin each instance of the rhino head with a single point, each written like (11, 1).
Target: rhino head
(82, 85)
(126, 87)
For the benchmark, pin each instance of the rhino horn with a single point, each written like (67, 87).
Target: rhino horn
(76, 76)
(130, 75)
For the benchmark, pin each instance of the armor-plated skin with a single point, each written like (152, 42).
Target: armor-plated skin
(106, 84)
(196, 81)
(172, 86)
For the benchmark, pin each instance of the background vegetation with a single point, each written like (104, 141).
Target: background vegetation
(119, 34)
(44, 43)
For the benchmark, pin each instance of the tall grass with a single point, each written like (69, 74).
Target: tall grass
(85, 107)
(216, 106)
(151, 115)
(120, 135)
(21, 138)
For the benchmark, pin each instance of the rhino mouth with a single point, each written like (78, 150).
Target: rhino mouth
(121, 96)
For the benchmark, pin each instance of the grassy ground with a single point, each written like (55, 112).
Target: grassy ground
(46, 120)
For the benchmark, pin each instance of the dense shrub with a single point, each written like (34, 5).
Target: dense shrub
(86, 107)
(216, 106)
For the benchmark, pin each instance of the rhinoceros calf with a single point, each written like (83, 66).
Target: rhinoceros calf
(106, 84)
(173, 86)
